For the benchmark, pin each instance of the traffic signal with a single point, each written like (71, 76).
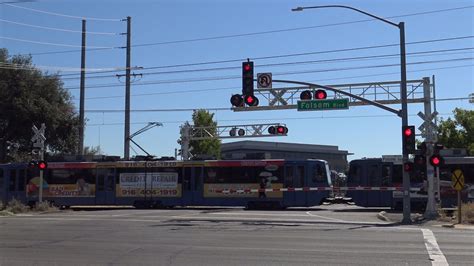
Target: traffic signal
(408, 133)
(42, 165)
(419, 169)
(305, 95)
(251, 100)
(237, 100)
(320, 95)
(436, 160)
(247, 78)
(278, 130)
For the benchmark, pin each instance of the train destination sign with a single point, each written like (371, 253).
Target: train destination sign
(320, 105)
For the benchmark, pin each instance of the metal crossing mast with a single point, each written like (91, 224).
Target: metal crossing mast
(189, 132)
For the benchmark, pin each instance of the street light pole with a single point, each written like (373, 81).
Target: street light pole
(403, 92)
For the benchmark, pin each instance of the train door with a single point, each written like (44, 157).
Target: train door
(105, 186)
(187, 186)
(316, 177)
(357, 177)
(197, 185)
(386, 197)
(289, 197)
(299, 182)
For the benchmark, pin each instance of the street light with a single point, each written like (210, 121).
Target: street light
(403, 92)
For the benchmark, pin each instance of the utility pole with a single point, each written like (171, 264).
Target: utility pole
(82, 87)
(126, 153)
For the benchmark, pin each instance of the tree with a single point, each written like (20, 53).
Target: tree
(207, 147)
(29, 96)
(458, 133)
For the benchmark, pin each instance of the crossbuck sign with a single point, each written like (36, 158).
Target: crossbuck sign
(39, 138)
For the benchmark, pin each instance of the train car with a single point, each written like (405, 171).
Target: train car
(146, 184)
(377, 173)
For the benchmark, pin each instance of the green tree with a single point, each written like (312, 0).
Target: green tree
(29, 96)
(208, 147)
(458, 132)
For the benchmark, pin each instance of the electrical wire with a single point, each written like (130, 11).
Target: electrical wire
(202, 79)
(54, 44)
(359, 58)
(295, 54)
(58, 29)
(62, 15)
(233, 88)
(270, 32)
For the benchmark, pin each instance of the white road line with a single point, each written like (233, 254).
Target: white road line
(324, 217)
(435, 253)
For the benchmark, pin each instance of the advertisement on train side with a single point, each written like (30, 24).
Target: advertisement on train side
(81, 188)
(162, 184)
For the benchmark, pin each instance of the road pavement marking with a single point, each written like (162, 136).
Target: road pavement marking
(324, 217)
(435, 253)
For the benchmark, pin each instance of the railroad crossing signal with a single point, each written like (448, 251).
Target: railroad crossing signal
(457, 179)
(428, 128)
(408, 133)
(264, 80)
(39, 138)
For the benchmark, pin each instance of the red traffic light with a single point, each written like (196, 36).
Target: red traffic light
(42, 165)
(408, 132)
(236, 100)
(320, 95)
(247, 66)
(305, 95)
(251, 100)
(278, 130)
(436, 160)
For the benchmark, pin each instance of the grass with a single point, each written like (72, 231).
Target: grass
(16, 206)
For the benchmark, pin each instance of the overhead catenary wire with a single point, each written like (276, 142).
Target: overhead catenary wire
(272, 31)
(202, 79)
(63, 15)
(265, 119)
(58, 29)
(293, 54)
(313, 81)
(358, 58)
(55, 44)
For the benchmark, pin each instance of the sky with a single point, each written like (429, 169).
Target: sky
(165, 34)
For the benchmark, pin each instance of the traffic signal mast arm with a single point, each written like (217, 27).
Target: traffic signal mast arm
(362, 99)
(246, 131)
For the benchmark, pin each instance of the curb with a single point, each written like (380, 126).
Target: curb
(459, 226)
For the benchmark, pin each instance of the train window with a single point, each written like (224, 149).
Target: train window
(397, 177)
(386, 173)
(21, 180)
(318, 175)
(374, 175)
(354, 174)
(12, 186)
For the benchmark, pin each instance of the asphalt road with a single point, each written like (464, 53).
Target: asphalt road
(318, 236)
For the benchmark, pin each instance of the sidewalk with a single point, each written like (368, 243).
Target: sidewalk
(418, 219)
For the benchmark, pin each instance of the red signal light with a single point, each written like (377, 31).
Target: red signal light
(436, 160)
(42, 165)
(320, 95)
(408, 132)
(251, 100)
(247, 67)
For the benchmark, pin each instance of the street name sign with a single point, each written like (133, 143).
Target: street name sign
(321, 105)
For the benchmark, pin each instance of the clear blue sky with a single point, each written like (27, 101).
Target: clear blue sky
(364, 131)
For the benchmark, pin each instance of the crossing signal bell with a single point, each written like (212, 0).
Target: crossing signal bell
(408, 133)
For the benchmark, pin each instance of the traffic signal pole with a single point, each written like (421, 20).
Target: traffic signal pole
(82, 87)
(126, 153)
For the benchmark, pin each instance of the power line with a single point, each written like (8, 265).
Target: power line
(314, 81)
(54, 44)
(63, 15)
(267, 119)
(270, 32)
(57, 29)
(62, 68)
(295, 54)
(201, 79)
(359, 58)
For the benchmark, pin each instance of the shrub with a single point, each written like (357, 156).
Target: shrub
(15, 206)
(467, 212)
(44, 207)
